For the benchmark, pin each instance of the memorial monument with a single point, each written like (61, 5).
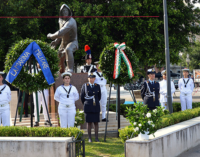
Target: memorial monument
(66, 36)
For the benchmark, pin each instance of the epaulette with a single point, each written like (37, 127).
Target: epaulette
(147, 81)
(95, 84)
(87, 84)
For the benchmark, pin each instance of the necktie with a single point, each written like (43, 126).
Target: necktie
(92, 86)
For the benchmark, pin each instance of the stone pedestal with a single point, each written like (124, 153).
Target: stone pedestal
(13, 103)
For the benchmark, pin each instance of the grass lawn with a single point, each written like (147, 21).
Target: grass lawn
(112, 147)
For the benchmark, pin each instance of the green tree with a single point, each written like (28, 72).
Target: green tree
(144, 35)
(194, 56)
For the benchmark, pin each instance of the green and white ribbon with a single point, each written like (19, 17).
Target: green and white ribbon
(119, 53)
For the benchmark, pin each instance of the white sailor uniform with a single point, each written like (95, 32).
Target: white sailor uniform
(102, 82)
(163, 92)
(186, 86)
(5, 98)
(88, 68)
(40, 101)
(66, 96)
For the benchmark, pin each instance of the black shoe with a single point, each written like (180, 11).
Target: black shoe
(104, 120)
(97, 140)
(46, 122)
(36, 124)
(90, 140)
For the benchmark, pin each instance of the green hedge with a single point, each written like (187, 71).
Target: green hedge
(167, 120)
(17, 131)
(176, 107)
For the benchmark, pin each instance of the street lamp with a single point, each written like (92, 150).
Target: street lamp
(180, 55)
(188, 60)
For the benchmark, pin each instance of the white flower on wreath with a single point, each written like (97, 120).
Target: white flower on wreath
(135, 123)
(149, 122)
(140, 125)
(163, 110)
(75, 122)
(136, 129)
(153, 125)
(155, 110)
(148, 115)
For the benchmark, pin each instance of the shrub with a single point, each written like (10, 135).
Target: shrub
(17, 131)
(166, 120)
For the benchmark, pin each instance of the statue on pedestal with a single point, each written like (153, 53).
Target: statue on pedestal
(66, 37)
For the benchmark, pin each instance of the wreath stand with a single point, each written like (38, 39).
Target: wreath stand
(31, 104)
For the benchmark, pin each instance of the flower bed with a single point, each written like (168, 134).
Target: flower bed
(166, 120)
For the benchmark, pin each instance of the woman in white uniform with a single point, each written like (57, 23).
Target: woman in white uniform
(5, 97)
(186, 86)
(66, 95)
(163, 90)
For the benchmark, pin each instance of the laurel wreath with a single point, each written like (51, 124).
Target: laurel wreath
(26, 81)
(107, 59)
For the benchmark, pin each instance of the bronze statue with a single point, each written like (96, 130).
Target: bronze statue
(67, 36)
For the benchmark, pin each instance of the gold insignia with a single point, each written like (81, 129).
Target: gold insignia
(95, 84)
(87, 84)
(147, 81)
(91, 74)
(152, 70)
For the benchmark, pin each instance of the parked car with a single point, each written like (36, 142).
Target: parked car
(176, 83)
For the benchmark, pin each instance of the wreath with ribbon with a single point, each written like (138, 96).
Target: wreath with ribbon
(119, 63)
(25, 81)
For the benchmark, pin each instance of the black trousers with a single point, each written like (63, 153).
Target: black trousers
(26, 101)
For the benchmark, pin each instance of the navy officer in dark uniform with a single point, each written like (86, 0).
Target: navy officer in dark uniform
(150, 91)
(88, 68)
(90, 97)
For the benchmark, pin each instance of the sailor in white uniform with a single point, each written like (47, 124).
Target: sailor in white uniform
(66, 95)
(186, 86)
(163, 90)
(5, 98)
(41, 101)
(102, 82)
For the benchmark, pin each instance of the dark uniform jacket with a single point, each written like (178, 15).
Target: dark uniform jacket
(149, 100)
(88, 103)
(86, 68)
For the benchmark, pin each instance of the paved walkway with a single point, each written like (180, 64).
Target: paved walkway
(194, 152)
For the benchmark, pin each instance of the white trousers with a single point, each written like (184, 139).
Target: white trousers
(67, 116)
(186, 101)
(163, 104)
(5, 115)
(103, 101)
(41, 102)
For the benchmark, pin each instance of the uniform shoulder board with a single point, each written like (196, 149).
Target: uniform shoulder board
(95, 84)
(147, 81)
(87, 84)
(155, 82)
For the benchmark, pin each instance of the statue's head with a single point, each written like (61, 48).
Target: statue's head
(65, 10)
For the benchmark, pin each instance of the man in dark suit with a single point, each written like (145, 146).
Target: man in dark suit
(150, 91)
(90, 97)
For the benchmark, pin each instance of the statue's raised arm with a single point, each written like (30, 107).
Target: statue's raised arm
(67, 36)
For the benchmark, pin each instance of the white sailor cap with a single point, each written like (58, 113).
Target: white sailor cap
(97, 62)
(151, 71)
(1, 73)
(185, 69)
(66, 74)
(163, 72)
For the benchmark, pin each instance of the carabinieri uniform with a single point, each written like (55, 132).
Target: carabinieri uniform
(90, 97)
(150, 92)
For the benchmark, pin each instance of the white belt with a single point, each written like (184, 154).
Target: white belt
(67, 105)
(185, 94)
(3, 105)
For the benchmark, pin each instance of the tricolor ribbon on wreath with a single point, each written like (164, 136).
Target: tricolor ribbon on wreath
(119, 53)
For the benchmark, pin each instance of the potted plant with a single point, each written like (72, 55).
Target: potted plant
(79, 118)
(143, 120)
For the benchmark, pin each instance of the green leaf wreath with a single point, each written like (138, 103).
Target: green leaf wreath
(25, 81)
(107, 59)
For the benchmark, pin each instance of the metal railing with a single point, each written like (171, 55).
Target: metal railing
(76, 148)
